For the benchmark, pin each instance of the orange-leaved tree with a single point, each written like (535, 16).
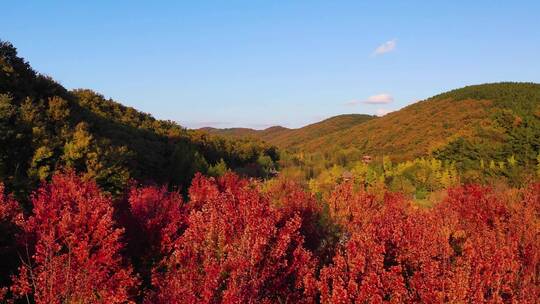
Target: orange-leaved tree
(496, 243)
(476, 246)
(389, 252)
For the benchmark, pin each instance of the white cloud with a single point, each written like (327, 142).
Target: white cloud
(382, 112)
(382, 98)
(379, 99)
(386, 47)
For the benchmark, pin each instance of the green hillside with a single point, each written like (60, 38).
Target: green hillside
(481, 134)
(490, 117)
(494, 121)
(44, 127)
(472, 127)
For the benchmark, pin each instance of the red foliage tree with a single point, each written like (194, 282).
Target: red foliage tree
(76, 247)
(155, 219)
(352, 209)
(236, 249)
(390, 254)
(235, 243)
(160, 215)
(496, 241)
(10, 219)
(525, 224)
(319, 232)
(474, 247)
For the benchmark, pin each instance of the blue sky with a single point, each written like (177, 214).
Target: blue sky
(261, 63)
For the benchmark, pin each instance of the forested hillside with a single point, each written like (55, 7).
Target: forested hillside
(483, 115)
(479, 134)
(266, 135)
(495, 120)
(44, 127)
(293, 138)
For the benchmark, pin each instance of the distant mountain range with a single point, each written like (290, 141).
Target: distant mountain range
(472, 113)
(293, 138)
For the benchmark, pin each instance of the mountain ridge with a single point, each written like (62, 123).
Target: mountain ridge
(474, 113)
(291, 137)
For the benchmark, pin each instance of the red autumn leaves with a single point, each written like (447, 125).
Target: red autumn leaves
(72, 247)
(473, 247)
(236, 249)
(233, 242)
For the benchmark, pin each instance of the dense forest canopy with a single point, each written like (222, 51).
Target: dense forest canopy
(240, 241)
(44, 127)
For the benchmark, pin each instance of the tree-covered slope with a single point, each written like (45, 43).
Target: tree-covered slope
(238, 133)
(292, 138)
(491, 118)
(296, 137)
(474, 127)
(44, 127)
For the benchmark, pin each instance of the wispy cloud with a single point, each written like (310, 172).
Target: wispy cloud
(382, 98)
(386, 47)
(379, 98)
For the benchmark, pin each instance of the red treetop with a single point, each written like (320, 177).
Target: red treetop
(10, 219)
(235, 250)
(160, 216)
(473, 247)
(76, 258)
